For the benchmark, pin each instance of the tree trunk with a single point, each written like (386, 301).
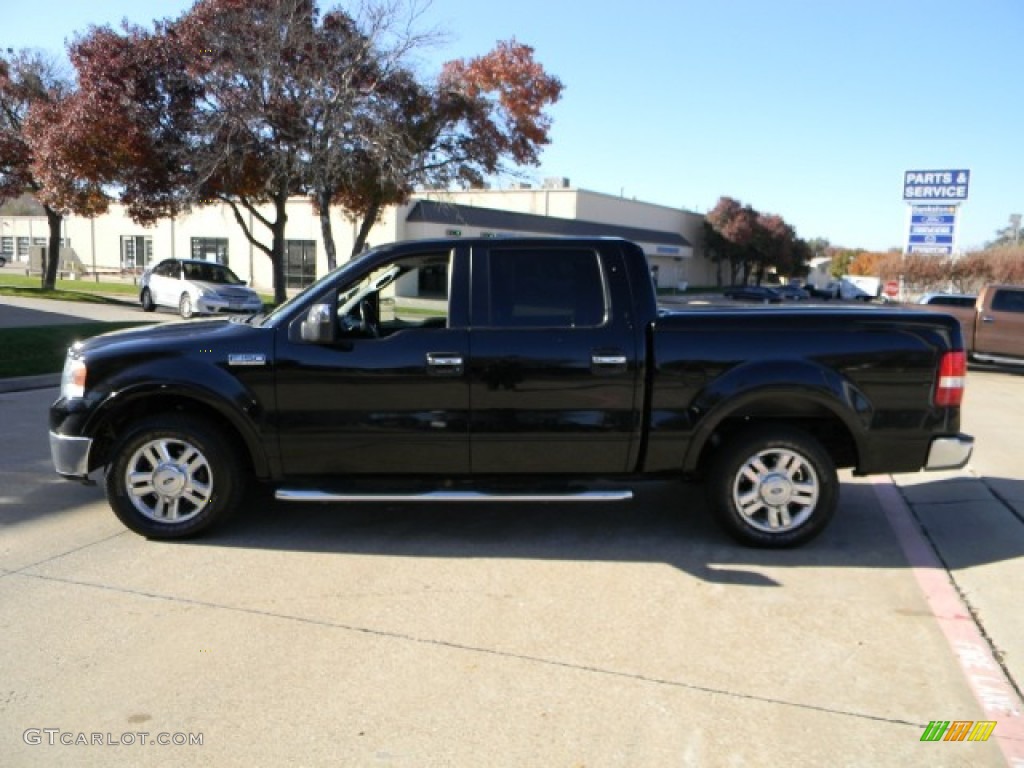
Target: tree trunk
(277, 249)
(323, 203)
(369, 219)
(53, 219)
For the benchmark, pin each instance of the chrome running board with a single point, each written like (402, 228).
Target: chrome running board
(288, 494)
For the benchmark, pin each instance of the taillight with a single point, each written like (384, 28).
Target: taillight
(949, 389)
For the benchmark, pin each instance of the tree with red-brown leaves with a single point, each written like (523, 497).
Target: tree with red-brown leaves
(32, 90)
(752, 242)
(481, 115)
(251, 102)
(730, 232)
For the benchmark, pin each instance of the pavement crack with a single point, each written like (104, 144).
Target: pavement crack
(12, 571)
(1002, 500)
(494, 652)
(997, 655)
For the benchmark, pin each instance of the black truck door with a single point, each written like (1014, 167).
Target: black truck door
(553, 363)
(390, 395)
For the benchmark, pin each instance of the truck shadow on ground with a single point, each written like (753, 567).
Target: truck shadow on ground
(666, 522)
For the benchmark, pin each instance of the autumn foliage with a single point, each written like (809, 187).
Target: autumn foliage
(752, 243)
(961, 274)
(251, 102)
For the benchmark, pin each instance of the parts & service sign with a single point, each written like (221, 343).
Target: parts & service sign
(936, 185)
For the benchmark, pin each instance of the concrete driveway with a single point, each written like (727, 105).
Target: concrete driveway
(19, 312)
(632, 634)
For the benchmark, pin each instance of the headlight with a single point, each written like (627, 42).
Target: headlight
(72, 379)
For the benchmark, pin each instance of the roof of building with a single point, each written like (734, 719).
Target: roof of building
(433, 212)
(25, 205)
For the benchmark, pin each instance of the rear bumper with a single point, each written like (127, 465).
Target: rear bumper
(70, 455)
(949, 452)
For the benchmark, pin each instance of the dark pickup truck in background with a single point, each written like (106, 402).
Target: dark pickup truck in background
(526, 369)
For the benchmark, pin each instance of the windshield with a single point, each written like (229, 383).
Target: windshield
(211, 273)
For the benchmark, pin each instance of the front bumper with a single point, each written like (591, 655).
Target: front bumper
(70, 455)
(212, 304)
(949, 452)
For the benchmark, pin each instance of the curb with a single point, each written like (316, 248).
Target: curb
(25, 383)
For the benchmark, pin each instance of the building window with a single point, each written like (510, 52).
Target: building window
(136, 251)
(210, 249)
(40, 241)
(299, 263)
(65, 242)
(23, 244)
(7, 247)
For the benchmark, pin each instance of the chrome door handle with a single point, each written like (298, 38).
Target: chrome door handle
(608, 363)
(444, 363)
(606, 360)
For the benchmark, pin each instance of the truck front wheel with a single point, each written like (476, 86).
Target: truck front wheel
(171, 477)
(774, 487)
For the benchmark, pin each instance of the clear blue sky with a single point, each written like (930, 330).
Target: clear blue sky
(811, 109)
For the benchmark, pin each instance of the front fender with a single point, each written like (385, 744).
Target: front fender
(208, 387)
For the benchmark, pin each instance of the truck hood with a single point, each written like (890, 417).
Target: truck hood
(191, 338)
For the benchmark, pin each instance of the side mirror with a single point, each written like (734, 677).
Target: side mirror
(319, 326)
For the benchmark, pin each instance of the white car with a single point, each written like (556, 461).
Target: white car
(193, 286)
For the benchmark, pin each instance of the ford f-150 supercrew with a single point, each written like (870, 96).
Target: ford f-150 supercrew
(526, 369)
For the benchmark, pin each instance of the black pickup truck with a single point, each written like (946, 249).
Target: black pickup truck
(495, 369)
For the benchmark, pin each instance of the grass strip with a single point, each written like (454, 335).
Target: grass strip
(41, 349)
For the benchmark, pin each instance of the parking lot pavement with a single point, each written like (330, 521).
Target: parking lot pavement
(519, 635)
(16, 311)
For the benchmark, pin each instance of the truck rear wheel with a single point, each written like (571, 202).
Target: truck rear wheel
(171, 477)
(774, 487)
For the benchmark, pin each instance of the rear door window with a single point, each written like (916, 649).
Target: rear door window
(546, 288)
(1008, 301)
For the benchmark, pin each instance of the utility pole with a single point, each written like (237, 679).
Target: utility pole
(1015, 227)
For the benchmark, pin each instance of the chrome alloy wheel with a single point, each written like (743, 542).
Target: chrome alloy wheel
(169, 480)
(776, 490)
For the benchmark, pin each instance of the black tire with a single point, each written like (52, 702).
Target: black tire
(773, 487)
(199, 473)
(185, 308)
(147, 300)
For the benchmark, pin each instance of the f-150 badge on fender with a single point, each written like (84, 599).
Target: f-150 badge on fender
(247, 359)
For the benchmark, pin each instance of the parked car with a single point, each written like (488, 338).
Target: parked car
(489, 370)
(949, 299)
(792, 293)
(194, 286)
(761, 293)
(819, 293)
(3, 261)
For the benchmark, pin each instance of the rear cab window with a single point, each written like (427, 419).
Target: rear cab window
(1008, 300)
(546, 288)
